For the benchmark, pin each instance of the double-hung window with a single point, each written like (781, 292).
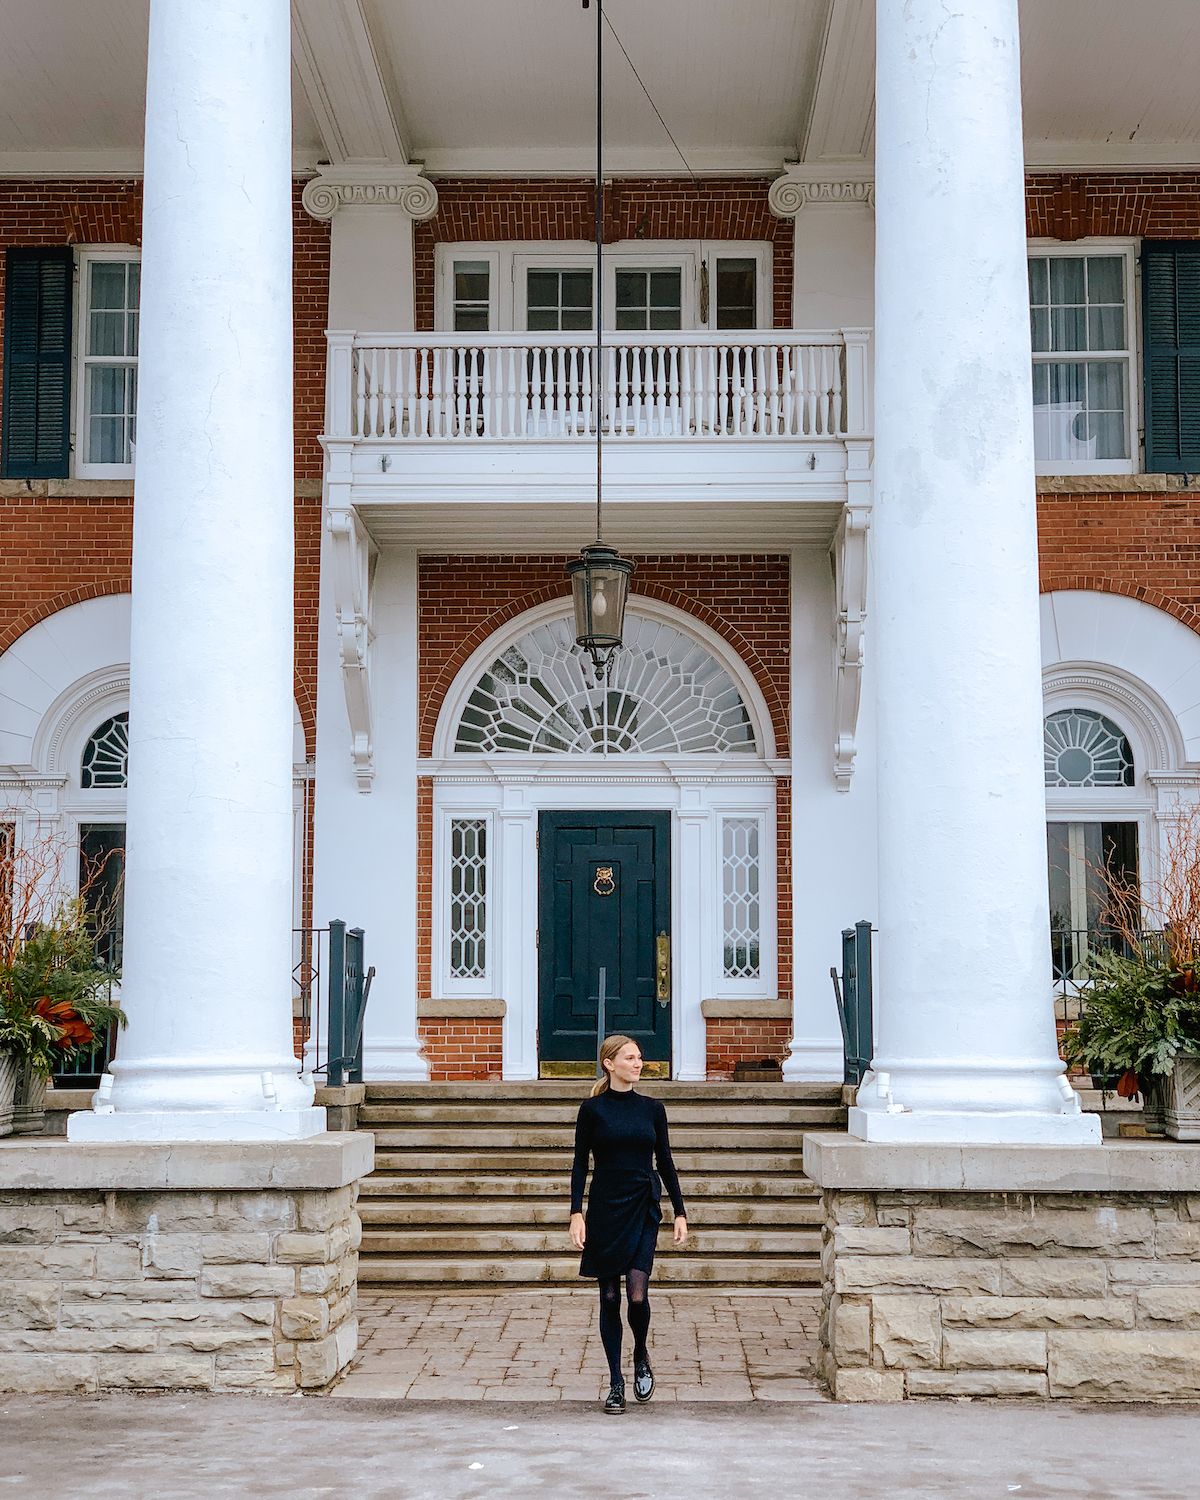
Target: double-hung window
(1081, 309)
(106, 400)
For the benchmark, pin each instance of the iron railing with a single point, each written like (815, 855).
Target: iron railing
(1071, 946)
(854, 989)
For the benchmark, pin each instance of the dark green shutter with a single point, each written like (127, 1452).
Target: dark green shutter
(1171, 322)
(37, 364)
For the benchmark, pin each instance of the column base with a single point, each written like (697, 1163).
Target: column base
(814, 1060)
(196, 1125)
(974, 1127)
(394, 1059)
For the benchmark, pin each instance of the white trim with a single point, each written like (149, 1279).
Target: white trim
(511, 259)
(85, 258)
(1131, 356)
(472, 669)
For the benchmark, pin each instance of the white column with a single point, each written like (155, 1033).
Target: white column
(208, 1052)
(965, 1035)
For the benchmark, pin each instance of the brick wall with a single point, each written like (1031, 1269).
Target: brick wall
(1070, 205)
(732, 1041)
(666, 208)
(462, 1047)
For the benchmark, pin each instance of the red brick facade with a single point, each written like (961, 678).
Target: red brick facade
(461, 1048)
(663, 208)
(731, 1042)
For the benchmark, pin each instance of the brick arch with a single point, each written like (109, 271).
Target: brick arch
(648, 589)
(1099, 583)
(101, 589)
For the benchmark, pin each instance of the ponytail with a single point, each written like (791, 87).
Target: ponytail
(609, 1049)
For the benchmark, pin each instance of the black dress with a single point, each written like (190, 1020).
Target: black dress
(626, 1134)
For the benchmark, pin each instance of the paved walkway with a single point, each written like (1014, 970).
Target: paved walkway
(545, 1346)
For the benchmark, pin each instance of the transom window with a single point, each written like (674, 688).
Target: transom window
(106, 755)
(666, 694)
(1085, 749)
(110, 292)
(1083, 343)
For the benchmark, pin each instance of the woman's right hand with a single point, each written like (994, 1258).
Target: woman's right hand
(578, 1233)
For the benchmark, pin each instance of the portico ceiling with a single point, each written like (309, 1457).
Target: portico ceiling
(504, 86)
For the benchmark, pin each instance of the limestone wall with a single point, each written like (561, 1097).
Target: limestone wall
(1092, 1295)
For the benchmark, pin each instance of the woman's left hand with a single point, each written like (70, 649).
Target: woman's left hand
(680, 1231)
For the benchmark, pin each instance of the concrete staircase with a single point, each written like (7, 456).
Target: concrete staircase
(471, 1185)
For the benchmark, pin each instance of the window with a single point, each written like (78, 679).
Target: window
(737, 292)
(102, 886)
(106, 755)
(468, 898)
(1080, 309)
(110, 290)
(665, 695)
(472, 296)
(649, 300)
(1086, 749)
(8, 855)
(741, 908)
(558, 301)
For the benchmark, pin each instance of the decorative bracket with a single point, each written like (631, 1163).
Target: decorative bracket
(803, 185)
(370, 187)
(849, 556)
(353, 564)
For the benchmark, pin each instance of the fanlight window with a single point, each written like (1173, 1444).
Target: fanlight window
(1085, 749)
(106, 755)
(666, 695)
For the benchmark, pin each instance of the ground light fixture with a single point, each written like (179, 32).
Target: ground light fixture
(599, 576)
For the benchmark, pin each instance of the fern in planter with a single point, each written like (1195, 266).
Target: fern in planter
(1140, 1014)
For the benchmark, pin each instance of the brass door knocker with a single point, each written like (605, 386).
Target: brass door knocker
(604, 883)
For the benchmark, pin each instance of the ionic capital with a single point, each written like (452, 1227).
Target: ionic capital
(370, 187)
(802, 186)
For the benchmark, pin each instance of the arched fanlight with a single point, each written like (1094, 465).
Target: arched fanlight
(599, 576)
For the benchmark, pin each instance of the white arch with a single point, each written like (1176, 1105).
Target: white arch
(482, 657)
(1129, 660)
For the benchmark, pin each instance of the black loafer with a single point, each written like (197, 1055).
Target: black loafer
(643, 1381)
(614, 1402)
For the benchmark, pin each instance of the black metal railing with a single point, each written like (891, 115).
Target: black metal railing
(1071, 947)
(854, 989)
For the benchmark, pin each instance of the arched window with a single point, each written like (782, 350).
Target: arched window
(1086, 749)
(106, 755)
(666, 695)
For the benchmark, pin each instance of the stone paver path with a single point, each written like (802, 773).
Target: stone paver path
(545, 1346)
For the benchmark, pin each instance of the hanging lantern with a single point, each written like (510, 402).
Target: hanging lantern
(599, 586)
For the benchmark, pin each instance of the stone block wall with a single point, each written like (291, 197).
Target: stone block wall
(1081, 1295)
(169, 1289)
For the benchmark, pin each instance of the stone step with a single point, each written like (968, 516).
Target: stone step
(689, 1162)
(503, 1114)
(554, 1186)
(553, 1090)
(555, 1138)
(492, 1241)
(526, 1211)
(673, 1270)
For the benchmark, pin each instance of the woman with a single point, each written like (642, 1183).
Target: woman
(626, 1134)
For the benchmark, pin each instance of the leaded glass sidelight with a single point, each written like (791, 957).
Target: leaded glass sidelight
(665, 695)
(1085, 749)
(741, 900)
(106, 755)
(468, 898)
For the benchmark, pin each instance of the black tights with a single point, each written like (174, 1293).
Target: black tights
(637, 1284)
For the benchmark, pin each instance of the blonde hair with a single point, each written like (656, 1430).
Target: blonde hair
(608, 1050)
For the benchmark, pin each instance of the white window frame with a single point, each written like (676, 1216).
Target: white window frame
(1128, 250)
(85, 259)
(449, 985)
(511, 260)
(765, 984)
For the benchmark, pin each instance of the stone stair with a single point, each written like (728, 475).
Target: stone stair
(471, 1185)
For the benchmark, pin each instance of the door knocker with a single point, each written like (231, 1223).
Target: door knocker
(604, 884)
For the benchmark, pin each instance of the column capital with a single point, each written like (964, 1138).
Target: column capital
(370, 186)
(804, 184)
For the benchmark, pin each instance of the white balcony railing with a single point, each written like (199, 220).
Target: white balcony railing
(505, 387)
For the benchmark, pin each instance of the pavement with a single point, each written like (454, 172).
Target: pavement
(298, 1448)
(544, 1345)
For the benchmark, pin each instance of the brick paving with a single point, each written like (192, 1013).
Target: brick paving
(545, 1346)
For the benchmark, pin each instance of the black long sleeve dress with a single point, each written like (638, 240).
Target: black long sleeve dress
(626, 1135)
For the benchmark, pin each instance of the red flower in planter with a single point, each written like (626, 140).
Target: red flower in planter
(1127, 1085)
(73, 1031)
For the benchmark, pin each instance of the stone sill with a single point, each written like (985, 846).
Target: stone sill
(1116, 484)
(746, 1010)
(432, 1010)
(46, 1164)
(1125, 1166)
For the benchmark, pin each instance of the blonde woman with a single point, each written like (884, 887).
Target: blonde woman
(625, 1134)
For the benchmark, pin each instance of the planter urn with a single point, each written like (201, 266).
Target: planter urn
(10, 1069)
(29, 1108)
(1182, 1098)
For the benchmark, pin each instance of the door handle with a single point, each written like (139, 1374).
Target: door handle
(662, 969)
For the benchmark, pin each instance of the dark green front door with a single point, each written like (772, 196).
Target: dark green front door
(604, 902)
